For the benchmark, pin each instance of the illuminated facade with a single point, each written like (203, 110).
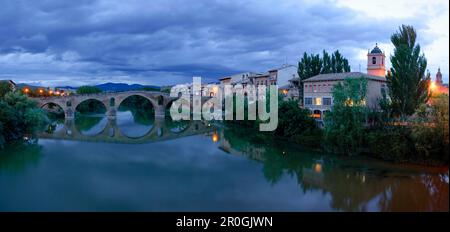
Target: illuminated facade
(318, 90)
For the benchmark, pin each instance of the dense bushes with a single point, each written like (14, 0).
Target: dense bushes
(424, 138)
(392, 143)
(19, 116)
(294, 124)
(352, 128)
(344, 125)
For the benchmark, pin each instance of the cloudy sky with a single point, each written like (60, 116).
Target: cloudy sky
(54, 42)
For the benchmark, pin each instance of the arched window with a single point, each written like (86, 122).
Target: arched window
(374, 60)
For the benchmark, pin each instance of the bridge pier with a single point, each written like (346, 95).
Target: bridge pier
(111, 113)
(69, 113)
(160, 112)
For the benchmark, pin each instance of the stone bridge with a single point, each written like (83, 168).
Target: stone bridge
(111, 101)
(111, 133)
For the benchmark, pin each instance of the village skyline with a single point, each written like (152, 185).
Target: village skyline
(119, 44)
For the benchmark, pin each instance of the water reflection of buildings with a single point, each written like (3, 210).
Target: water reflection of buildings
(248, 151)
(365, 190)
(354, 185)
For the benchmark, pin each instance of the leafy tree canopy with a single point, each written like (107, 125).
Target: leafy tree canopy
(88, 90)
(407, 82)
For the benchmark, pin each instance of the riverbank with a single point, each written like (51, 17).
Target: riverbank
(319, 145)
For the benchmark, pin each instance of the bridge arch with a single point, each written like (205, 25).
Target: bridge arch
(135, 116)
(91, 119)
(52, 104)
(119, 101)
(90, 102)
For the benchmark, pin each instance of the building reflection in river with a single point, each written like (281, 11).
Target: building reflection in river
(354, 184)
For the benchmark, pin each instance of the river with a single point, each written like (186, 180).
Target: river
(206, 168)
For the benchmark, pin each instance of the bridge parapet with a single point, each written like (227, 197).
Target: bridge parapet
(111, 101)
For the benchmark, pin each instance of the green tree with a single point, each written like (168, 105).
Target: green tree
(327, 66)
(344, 125)
(431, 133)
(312, 65)
(19, 116)
(88, 90)
(292, 120)
(407, 82)
(339, 64)
(5, 87)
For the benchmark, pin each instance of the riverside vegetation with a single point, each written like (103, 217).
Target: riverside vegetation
(19, 116)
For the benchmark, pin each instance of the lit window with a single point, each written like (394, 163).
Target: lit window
(318, 101)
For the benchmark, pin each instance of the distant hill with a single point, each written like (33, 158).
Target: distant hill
(21, 86)
(125, 87)
(104, 87)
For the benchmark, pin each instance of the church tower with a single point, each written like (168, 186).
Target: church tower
(439, 77)
(375, 62)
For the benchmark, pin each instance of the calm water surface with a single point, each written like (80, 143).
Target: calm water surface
(181, 167)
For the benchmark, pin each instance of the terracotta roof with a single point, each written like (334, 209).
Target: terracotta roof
(342, 76)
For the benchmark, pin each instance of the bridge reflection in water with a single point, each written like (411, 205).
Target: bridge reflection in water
(112, 133)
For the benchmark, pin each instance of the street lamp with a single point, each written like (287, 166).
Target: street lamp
(432, 86)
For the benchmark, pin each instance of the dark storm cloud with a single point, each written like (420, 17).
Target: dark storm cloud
(165, 42)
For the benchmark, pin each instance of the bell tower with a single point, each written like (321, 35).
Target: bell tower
(439, 77)
(375, 62)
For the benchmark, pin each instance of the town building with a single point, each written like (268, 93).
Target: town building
(318, 90)
(291, 90)
(11, 83)
(282, 76)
